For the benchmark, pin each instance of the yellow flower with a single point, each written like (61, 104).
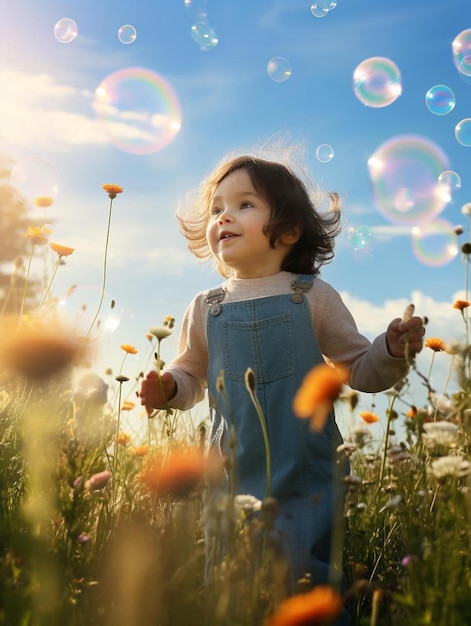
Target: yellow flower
(43, 201)
(123, 438)
(127, 405)
(321, 605)
(412, 412)
(319, 390)
(112, 190)
(61, 250)
(127, 347)
(461, 304)
(141, 450)
(368, 417)
(436, 344)
(36, 235)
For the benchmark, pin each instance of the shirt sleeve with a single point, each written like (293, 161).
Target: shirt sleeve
(190, 367)
(372, 368)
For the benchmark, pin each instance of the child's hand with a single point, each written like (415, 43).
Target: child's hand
(408, 332)
(155, 395)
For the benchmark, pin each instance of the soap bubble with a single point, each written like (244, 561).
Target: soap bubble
(197, 9)
(449, 182)
(34, 177)
(65, 30)
(440, 100)
(360, 241)
(377, 82)
(463, 132)
(324, 153)
(404, 172)
(204, 35)
(461, 48)
(322, 7)
(138, 110)
(435, 243)
(279, 69)
(127, 34)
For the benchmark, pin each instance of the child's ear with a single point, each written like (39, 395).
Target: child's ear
(291, 236)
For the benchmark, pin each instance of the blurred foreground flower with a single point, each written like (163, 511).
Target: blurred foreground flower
(435, 343)
(36, 235)
(441, 433)
(450, 466)
(319, 390)
(319, 606)
(369, 417)
(43, 202)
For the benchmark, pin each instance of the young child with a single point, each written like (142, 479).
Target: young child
(274, 315)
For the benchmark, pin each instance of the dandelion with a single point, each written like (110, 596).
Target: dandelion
(128, 348)
(435, 343)
(445, 466)
(440, 433)
(369, 417)
(43, 202)
(112, 190)
(319, 390)
(61, 250)
(461, 304)
(98, 481)
(321, 605)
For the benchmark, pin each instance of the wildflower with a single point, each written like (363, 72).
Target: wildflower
(466, 248)
(127, 405)
(160, 332)
(440, 433)
(121, 378)
(360, 435)
(412, 412)
(128, 348)
(169, 321)
(123, 439)
(35, 235)
(43, 202)
(112, 190)
(450, 466)
(247, 503)
(141, 450)
(61, 250)
(321, 605)
(98, 481)
(435, 343)
(319, 390)
(461, 305)
(369, 417)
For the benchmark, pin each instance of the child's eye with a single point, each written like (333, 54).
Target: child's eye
(215, 210)
(246, 205)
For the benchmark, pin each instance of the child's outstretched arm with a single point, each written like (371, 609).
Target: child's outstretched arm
(408, 333)
(155, 394)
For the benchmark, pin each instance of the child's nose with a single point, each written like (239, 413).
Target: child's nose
(225, 216)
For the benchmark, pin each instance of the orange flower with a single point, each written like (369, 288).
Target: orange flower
(368, 417)
(112, 190)
(321, 605)
(127, 405)
(36, 235)
(61, 250)
(141, 450)
(123, 438)
(179, 472)
(43, 201)
(461, 304)
(127, 347)
(412, 412)
(319, 390)
(435, 343)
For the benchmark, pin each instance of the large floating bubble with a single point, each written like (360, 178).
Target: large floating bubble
(127, 34)
(463, 132)
(435, 243)
(35, 177)
(440, 100)
(204, 35)
(461, 48)
(377, 82)
(404, 172)
(138, 110)
(65, 30)
(279, 69)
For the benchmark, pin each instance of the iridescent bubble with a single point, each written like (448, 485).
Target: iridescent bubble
(324, 153)
(404, 173)
(360, 240)
(461, 48)
(138, 110)
(204, 35)
(197, 9)
(377, 82)
(34, 177)
(463, 132)
(79, 305)
(435, 243)
(449, 182)
(279, 69)
(127, 34)
(440, 100)
(65, 30)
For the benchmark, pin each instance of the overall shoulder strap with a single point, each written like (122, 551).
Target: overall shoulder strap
(301, 284)
(214, 297)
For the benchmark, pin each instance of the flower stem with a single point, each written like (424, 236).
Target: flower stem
(48, 288)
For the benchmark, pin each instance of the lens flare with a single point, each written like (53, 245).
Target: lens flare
(138, 110)
(377, 82)
(435, 243)
(404, 172)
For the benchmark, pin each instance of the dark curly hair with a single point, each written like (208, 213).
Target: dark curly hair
(291, 208)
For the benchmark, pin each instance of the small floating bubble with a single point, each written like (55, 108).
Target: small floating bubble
(279, 69)
(65, 30)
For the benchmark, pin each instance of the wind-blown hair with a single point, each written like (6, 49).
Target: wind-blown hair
(291, 209)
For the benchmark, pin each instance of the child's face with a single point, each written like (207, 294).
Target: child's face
(236, 229)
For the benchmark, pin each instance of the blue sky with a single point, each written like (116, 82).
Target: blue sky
(229, 103)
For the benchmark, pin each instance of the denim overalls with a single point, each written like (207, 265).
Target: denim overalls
(274, 336)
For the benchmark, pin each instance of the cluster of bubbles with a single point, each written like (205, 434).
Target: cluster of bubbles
(322, 7)
(138, 110)
(66, 31)
(202, 31)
